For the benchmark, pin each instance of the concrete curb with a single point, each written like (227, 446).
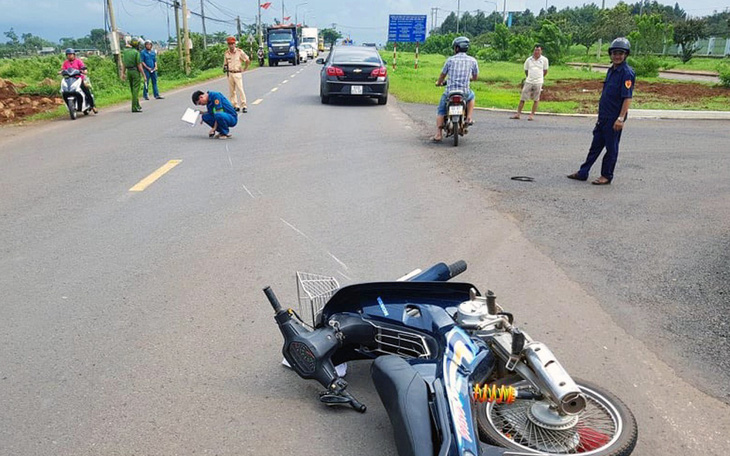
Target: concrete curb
(637, 114)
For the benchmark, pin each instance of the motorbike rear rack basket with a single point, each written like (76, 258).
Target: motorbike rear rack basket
(313, 292)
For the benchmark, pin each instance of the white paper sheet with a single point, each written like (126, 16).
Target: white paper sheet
(191, 116)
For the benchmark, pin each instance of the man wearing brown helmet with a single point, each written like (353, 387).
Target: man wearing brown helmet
(235, 62)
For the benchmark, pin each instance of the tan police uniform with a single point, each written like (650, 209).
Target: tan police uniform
(535, 78)
(235, 61)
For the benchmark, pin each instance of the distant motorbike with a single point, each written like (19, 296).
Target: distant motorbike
(260, 54)
(73, 95)
(455, 374)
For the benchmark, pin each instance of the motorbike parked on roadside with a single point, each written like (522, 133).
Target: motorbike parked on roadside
(72, 93)
(455, 374)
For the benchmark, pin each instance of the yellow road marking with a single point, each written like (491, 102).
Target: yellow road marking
(274, 89)
(285, 81)
(147, 181)
(258, 101)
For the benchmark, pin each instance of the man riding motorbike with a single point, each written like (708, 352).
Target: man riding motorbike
(460, 69)
(260, 55)
(72, 62)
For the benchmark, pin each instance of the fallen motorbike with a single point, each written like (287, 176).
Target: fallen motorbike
(73, 95)
(450, 367)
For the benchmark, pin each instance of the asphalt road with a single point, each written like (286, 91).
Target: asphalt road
(134, 323)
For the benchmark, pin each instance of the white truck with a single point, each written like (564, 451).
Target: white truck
(310, 36)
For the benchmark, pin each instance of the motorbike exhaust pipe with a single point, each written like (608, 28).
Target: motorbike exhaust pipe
(555, 378)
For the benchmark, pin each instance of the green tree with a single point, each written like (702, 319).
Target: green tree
(449, 24)
(651, 34)
(615, 22)
(555, 43)
(501, 40)
(686, 35)
(330, 35)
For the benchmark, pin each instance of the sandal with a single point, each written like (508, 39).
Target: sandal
(601, 181)
(435, 139)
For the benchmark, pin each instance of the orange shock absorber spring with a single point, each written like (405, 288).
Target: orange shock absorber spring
(492, 393)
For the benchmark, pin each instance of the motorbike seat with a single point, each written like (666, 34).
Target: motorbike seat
(457, 92)
(405, 397)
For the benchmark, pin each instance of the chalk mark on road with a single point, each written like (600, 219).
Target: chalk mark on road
(149, 180)
(343, 275)
(247, 191)
(312, 241)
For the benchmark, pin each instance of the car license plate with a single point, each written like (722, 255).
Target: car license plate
(355, 90)
(456, 110)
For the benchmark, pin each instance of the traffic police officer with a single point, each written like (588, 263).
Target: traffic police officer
(132, 70)
(618, 88)
(221, 115)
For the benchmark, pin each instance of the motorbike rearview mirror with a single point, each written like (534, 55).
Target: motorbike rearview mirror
(320, 61)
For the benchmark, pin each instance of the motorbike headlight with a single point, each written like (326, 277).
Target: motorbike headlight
(271, 49)
(291, 48)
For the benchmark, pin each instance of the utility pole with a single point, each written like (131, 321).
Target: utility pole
(177, 34)
(186, 35)
(600, 40)
(258, 25)
(282, 12)
(238, 27)
(202, 15)
(458, 15)
(114, 40)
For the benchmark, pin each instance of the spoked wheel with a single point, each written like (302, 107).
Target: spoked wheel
(605, 427)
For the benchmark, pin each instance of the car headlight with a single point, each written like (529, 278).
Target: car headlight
(291, 48)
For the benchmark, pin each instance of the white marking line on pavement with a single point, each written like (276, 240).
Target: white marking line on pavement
(230, 161)
(274, 89)
(258, 101)
(147, 181)
(337, 260)
(285, 81)
(293, 76)
(343, 275)
(295, 228)
(251, 194)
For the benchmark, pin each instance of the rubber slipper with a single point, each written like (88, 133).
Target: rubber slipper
(601, 181)
(576, 176)
(434, 139)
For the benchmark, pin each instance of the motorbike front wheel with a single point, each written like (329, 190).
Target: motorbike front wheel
(606, 427)
(71, 105)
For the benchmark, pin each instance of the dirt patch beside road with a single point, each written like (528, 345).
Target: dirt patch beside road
(15, 107)
(587, 92)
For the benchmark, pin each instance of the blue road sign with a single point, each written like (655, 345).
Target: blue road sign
(407, 28)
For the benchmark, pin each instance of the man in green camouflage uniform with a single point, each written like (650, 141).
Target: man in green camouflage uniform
(132, 68)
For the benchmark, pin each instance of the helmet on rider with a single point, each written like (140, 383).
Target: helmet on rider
(146, 42)
(620, 44)
(460, 44)
(70, 51)
(134, 42)
(231, 40)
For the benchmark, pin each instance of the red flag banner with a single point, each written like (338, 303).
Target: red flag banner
(287, 18)
(266, 5)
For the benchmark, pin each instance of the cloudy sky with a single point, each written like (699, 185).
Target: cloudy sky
(363, 20)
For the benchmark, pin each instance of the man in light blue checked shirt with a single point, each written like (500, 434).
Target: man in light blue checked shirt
(461, 69)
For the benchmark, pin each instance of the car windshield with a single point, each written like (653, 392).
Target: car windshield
(356, 56)
(280, 36)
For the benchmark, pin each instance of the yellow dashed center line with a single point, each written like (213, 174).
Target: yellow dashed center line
(147, 181)
(285, 81)
(258, 101)
(274, 89)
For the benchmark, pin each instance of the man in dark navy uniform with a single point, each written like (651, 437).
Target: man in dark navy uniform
(618, 88)
(221, 115)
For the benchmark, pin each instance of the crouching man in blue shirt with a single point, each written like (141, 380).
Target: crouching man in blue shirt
(221, 115)
(618, 89)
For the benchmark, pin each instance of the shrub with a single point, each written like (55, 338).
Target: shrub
(645, 66)
(724, 72)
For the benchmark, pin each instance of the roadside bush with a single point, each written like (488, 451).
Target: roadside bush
(488, 54)
(724, 71)
(645, 66)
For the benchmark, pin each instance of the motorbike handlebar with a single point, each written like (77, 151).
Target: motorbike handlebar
(457, 268)
(272, 299)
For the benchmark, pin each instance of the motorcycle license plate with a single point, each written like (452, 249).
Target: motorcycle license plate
(355, 90)
(456, 110)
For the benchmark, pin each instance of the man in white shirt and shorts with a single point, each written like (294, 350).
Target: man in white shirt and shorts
(536, 67)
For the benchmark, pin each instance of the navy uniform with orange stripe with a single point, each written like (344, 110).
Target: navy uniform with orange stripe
(618, 86)
(220, 113)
